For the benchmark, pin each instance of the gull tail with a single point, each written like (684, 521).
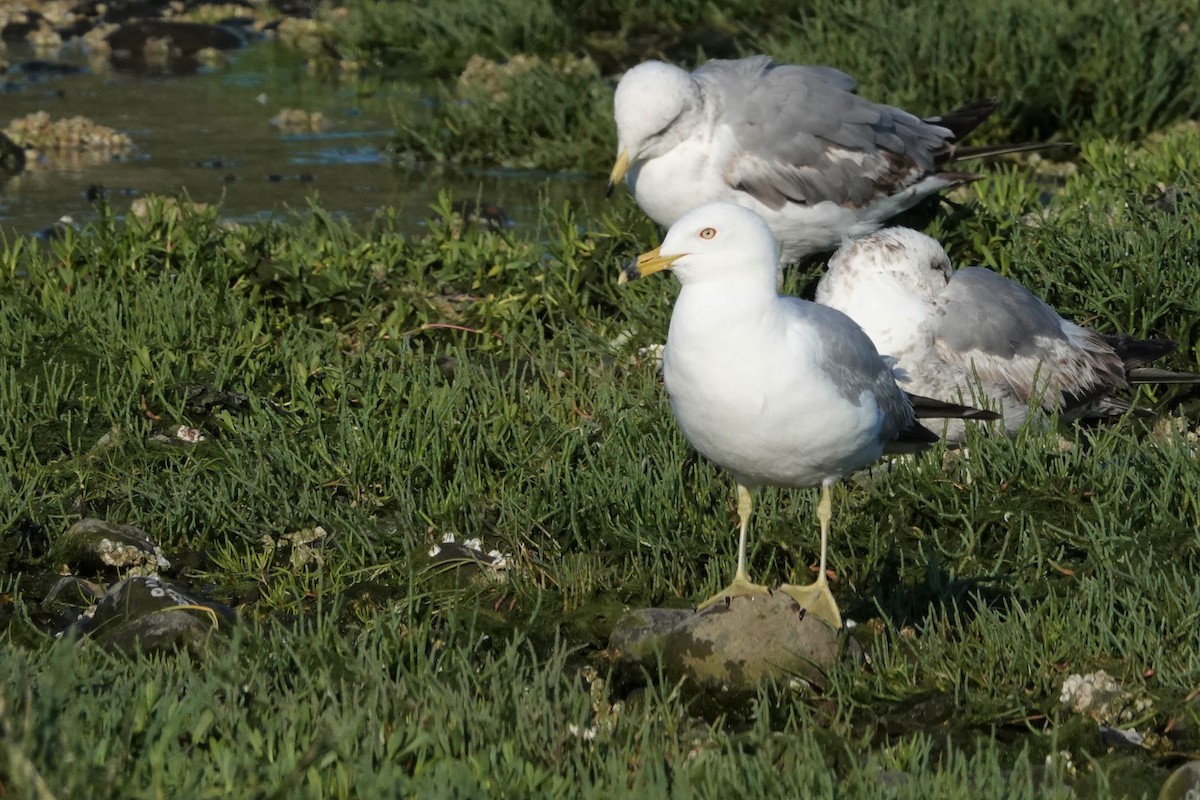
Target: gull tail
(916, 437)
(988, 150)
(967, 117)
(1154, 375)
(1136, 352)
(928, 408)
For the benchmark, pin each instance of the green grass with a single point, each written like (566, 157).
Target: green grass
(1061, 70)
(1067, 71)
(490, 385)
(542, 116)
(438, 40)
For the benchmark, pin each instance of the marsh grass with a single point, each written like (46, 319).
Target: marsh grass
(543, 116)
(1072, 72)
(491, 385)
(438, 40)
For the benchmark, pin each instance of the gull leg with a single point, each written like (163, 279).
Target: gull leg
(816, 598)
(741, 585)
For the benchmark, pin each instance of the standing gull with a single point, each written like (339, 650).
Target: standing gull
(971, 335)
(792, 143)
(776, 390)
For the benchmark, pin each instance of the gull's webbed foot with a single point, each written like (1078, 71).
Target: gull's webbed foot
(816, 599)
(741, 587)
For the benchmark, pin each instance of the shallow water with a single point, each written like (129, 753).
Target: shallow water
(209, 134)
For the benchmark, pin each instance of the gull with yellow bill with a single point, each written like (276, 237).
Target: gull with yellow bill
(776, 390)
(792, 143)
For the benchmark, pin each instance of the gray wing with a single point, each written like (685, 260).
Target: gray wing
(851, 361)
(1003, 333)
(803, 136)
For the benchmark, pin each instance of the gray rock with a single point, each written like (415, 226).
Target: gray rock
(1121, 737)
(94, 545)
(185, 38)
(1183, 783)
(730, 648)
(141, 614)
(71, 590)
(161, 631)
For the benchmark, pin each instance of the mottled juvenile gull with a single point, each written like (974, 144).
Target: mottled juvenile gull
(972, 336)
(792, 143)
(776, 390)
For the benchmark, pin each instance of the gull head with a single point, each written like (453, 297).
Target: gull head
(906, 258)
(653, 99)
(714, 242)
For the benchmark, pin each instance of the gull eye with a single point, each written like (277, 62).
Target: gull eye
(708, 233)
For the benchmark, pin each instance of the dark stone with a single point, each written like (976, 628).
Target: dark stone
(22, 543)
(62, 605)
(49, 603)
(1120, 737)
(93, 545)
(302, 9)
(156, 45)
(12, 156)
(1183, 783)
(162, 631)
(142, 615)
(55, 230)
(73, 591)
(36, 68)
(17, 30)
(75, 29)
(203, 398)
(186, 38)
(730, 648)
(115, 12)
(465, 562)
(483, 213)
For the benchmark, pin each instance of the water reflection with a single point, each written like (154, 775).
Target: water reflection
(210, 135)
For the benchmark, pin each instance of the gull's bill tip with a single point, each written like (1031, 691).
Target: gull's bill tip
(647, 263)
(618, 172)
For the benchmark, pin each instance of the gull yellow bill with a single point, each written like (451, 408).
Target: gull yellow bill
(618, 172)
(647, 263)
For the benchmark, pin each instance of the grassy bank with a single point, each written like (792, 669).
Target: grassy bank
(497, 385)
(1070, 72)
(489, 385)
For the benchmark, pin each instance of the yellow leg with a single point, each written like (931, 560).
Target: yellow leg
(741, 585)
(816, 598)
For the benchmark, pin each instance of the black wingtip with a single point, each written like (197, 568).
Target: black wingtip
(966, 117)
(928, 408)
(1155, 375)
(1135, 352)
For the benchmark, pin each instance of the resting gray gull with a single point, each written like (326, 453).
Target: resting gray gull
(794, 144)
(973, 336)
